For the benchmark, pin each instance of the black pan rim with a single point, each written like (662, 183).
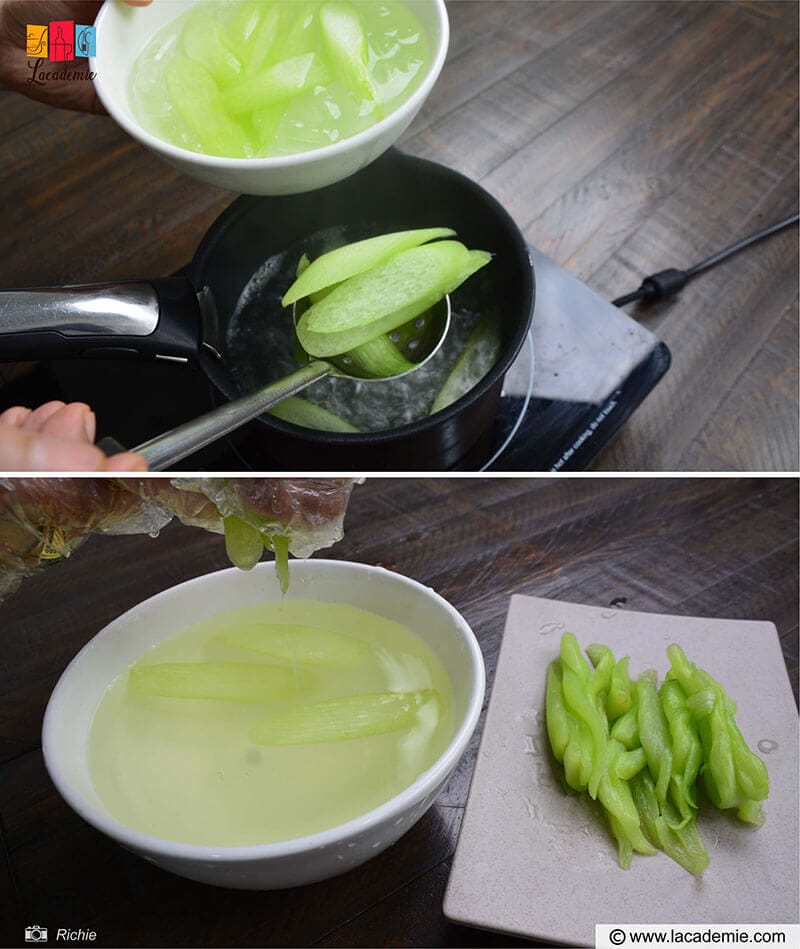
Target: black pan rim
(242, 205)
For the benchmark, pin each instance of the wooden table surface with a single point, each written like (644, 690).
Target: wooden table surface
(720, 548)
(624, 137)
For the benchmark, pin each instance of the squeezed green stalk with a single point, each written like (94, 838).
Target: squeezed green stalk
(659, 743)
(243, 543)
(620, 691)
(687, 751)
(230, 681)
(733, 775)
(681, 841)
(353, 716)
(654, 735)
(576, 678)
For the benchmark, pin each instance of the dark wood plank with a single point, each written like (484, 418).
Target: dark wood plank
(764, 388)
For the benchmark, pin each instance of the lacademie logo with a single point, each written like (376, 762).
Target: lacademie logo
(59, 41)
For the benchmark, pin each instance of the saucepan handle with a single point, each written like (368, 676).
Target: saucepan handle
(154, 319)
(168, 449)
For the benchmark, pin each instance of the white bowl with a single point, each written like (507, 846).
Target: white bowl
(122, 33)
(293, 862)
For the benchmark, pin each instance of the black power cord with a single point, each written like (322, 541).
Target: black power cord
(667, 282)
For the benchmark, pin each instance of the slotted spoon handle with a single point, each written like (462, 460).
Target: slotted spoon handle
(165, 450)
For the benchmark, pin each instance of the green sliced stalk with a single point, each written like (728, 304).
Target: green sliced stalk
(354, 716)
(307, 645)
(346, 43)
(261, 40)
(352, 259)
(243, 543)
(265, 126)
(242, 28)
(278, 83)
(307, 414)
(204, 42)
(197, 100)
(229, 681)
(377, 359)
(476, 359)
(383, 298)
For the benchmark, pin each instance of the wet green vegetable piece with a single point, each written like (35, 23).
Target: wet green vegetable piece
(204, 42)
(354, 716)
(276, 84)
(376, 359)
(346, 42)
(383, 298)
(300, 411)
(477, 358)
(197, 100)
(344, 262)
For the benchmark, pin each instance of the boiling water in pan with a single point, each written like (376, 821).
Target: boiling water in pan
(260, 345)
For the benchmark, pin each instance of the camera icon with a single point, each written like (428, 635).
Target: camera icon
(35, 934)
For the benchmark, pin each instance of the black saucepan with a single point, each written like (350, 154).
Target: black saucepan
(187, 319)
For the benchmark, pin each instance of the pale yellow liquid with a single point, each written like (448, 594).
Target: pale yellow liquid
(187, 770)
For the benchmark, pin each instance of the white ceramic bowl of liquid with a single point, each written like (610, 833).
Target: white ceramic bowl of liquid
(123, 31)
(72, 706)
